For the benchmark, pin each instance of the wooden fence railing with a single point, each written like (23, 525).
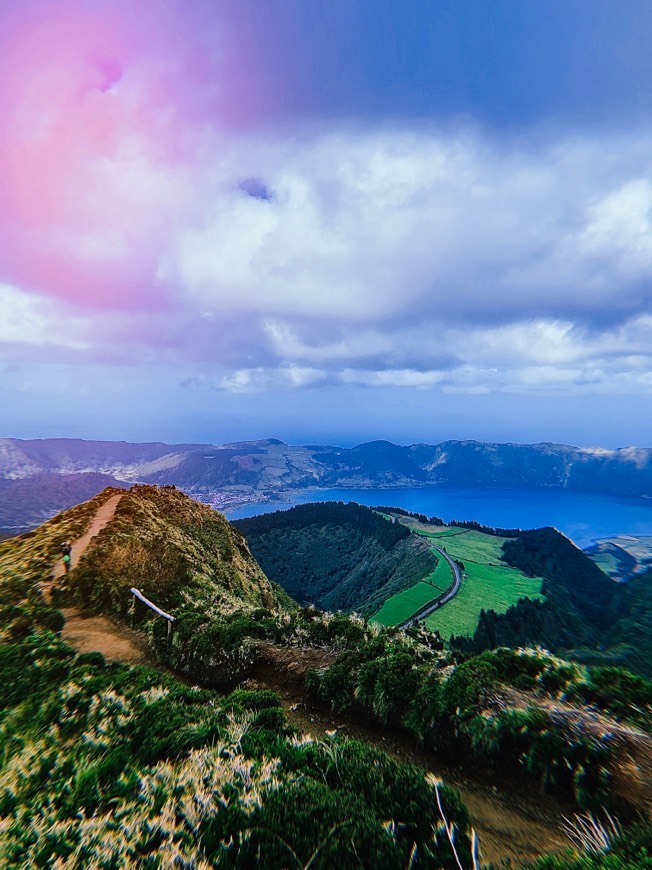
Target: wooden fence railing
(139, 595)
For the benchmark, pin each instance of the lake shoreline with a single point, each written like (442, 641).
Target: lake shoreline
(583, 517)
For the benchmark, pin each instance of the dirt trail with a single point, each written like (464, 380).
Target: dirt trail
(512, 822)
(89, 633)
(102, 518)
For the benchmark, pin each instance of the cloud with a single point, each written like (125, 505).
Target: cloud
(102, 106)
(258, 379)
(141, 223)
(373, 226)
(33, 322)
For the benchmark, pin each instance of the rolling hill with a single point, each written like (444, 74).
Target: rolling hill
(337, 556)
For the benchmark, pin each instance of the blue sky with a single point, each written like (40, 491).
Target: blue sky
(326, 221)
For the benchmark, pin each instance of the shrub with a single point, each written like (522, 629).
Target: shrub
(425, 711)
(387, 684)
(468, 687)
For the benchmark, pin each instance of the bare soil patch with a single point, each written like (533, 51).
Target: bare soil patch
(89, 633)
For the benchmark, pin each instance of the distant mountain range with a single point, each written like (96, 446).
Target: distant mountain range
(28, 501)
(259, 470)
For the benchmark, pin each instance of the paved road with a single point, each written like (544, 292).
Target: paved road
(441, 600)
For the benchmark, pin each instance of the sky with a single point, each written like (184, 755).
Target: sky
(327, 221)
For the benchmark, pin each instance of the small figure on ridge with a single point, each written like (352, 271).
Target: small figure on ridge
(66, 550)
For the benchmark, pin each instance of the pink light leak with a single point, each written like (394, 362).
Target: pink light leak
(105, 104)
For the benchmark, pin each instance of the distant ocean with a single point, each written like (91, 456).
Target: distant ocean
(583, 517)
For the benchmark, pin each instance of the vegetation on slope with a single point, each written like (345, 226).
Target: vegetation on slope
(175, 551)
(127, 764)
(403, 605)
(338, 556)
(622, 557)
(465, 713)
(119, 766)
(455, 706)
(27, 560)
(585, 616)
(627, 641)
(487, 581)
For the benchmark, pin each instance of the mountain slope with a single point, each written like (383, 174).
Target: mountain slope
(586, 615)
(175, 551)
(337, 556)
(26, 502)
(256, 470)
(222, 779)
(21, 458)
(172, 548)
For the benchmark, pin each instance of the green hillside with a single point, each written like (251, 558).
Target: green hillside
(130, 767)
(176, 551)
(585, 615)
(337, 556)
(487, 581)
(402, 606)
(115, 766)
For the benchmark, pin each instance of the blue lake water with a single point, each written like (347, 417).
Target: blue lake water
(581, 516)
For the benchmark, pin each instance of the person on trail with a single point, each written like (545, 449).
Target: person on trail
(66, 549)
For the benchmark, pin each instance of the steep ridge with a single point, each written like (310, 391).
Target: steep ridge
(175, 551)
(87, 633)
(169, 546)
(102, 518)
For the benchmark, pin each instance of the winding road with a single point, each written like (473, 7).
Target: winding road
(438, 602)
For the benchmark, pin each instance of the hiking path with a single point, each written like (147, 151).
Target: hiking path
(88, 632)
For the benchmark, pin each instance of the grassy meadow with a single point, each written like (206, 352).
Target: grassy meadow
(401, 606)
(484, 587)
(487, 582)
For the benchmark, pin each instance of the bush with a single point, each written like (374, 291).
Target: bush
(387, 684)
(618, 692)
(425, 712)
(468, 687)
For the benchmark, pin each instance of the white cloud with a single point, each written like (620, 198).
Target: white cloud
(35, 321)
(392, 377)
(379, 258)
(370, 227)
(619, 231)
(258, 379)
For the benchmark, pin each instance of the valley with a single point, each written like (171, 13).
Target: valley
(486, 581)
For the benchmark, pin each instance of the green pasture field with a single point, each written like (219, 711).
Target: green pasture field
(467, 544)
(487, 582)
(488, 587)
(402, 605)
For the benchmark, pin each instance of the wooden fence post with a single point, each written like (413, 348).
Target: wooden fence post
(170, 619)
